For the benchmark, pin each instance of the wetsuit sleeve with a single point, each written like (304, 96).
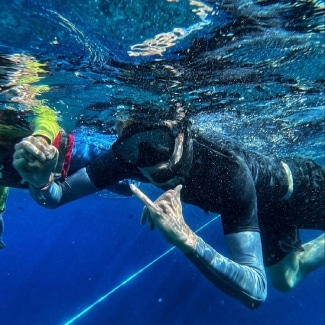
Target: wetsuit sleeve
(45, 123)
(243, 275)
(57, 194)
(101, 173)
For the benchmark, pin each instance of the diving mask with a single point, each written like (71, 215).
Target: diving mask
(145, 146)
(162, 152)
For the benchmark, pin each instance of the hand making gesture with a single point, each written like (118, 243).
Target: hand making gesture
(166, 214)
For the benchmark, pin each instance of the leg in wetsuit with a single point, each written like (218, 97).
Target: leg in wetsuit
(295, 266)
(288, 261)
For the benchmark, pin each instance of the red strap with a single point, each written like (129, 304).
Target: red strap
(68, 157)
(67, 151)
(57, 141)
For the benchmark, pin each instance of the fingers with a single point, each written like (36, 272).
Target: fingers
(24, 155)
(173, 196)
(144, 216)
(142, 197)
(147, 217)
(170, 198)
(168, 204)
(51, 152)
(36, 165)
(151, 223)
(23, 165)
(32, 148)
(149, 207)
(19, 163)
(178, 189)
(27, 149)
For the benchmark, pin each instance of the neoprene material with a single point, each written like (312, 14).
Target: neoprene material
(45, 123)
(246, 188)
(75, 186)
(243, 275)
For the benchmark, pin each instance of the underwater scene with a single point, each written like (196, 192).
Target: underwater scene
(250, 70)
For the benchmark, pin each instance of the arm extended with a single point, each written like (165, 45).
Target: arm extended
(35, 161)
(57, 194)
(242, 276)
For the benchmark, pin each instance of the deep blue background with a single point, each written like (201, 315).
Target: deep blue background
(59, 262)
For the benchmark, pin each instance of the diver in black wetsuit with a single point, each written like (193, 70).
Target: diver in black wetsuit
(263, 201)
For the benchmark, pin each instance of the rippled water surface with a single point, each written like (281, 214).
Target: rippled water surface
(252, 69)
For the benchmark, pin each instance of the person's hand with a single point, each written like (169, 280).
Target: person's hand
(35, 160)
(166, 214)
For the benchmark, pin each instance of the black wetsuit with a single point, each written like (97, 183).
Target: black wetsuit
(227, 179)
(262, 204)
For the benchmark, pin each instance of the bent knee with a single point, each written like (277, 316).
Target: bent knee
(282, 283)
(284, 276)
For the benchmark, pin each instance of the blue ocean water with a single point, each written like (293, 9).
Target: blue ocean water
(253, 70)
